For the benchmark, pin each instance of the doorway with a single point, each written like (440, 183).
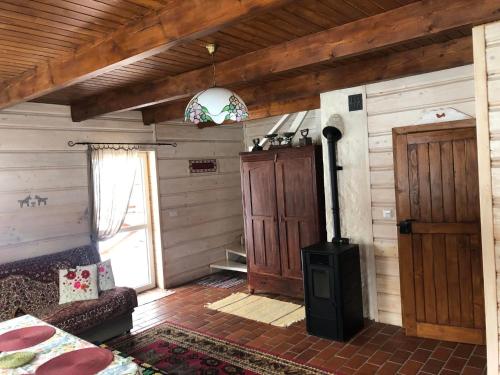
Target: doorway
(131, 250)
(440, 260)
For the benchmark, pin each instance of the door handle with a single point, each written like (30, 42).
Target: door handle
(405, 226)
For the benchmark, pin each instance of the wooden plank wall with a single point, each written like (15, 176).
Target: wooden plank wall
(259, 128)
(200, 213)
(486, 40)
(35, 160)
(391, 104)
(492, 38)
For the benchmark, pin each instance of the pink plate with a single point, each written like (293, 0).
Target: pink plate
(23, 338)
(87, 361)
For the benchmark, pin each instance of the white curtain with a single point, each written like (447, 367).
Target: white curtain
(113, 175)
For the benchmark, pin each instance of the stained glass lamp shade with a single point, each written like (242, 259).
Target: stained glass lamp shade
(216, 104)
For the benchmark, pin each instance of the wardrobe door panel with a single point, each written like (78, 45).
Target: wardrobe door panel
(261, 232)
(297, 210)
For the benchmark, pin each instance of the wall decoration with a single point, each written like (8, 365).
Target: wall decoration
(203, 166)
(41, 200)
(29, 201)
(25, 201)
(441, 115)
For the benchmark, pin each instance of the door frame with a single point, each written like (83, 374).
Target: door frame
(401, 185)
(145, 161)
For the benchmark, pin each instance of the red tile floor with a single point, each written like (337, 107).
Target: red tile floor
(379, 348)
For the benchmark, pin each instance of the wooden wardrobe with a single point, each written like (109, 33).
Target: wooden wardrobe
(283, 204)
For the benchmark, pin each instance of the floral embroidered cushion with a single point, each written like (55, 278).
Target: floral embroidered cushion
(106, 280)
(78, 284)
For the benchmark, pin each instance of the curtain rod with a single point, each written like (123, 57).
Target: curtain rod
(173, 144)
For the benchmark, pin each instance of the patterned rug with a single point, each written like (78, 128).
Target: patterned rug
(168, 349)
(224, 280)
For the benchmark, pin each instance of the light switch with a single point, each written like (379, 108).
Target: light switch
(387, 213)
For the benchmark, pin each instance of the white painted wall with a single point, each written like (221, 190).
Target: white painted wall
(388, 104)
(200, 213)
(354, 185)
(36, 160)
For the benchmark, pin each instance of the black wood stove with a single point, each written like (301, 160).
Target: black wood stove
(332, 276)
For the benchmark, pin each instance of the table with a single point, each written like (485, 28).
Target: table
(61, 342)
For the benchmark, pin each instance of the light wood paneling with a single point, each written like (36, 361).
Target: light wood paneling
(392, 104)
(487, 68)
(200, 213)
(35, 160)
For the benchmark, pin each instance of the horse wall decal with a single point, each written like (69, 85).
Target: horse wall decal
(41, 200)
(25, 201)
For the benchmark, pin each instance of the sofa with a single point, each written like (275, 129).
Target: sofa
(31, 286)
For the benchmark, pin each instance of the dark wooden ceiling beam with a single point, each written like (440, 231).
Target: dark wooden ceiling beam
(417, 20)
(280, 107)
(300, 93)
(152, 34)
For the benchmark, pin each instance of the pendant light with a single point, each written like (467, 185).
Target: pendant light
(215, 104)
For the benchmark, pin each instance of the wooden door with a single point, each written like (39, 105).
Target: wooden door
(439, 231)
(261, 232)
(297, 214)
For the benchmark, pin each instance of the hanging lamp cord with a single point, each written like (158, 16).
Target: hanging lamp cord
(213, 67)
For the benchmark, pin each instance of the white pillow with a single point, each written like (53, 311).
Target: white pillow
(105, 275)
(78, 284)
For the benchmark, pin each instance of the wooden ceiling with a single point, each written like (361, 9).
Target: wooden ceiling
(292, 21)
(35, 34)
(31, 32)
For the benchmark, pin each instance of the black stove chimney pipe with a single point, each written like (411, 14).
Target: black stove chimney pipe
(333, 135)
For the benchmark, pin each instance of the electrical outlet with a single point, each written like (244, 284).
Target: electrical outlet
(387, 213)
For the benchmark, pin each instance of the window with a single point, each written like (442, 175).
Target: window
(131, 250)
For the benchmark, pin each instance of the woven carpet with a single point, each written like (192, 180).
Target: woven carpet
(261, 309)
(224, 280)
(168, 349)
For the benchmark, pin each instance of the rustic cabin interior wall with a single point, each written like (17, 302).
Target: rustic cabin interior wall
(394, 103)
(201, 213)
(487, 78)
(43, 182)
